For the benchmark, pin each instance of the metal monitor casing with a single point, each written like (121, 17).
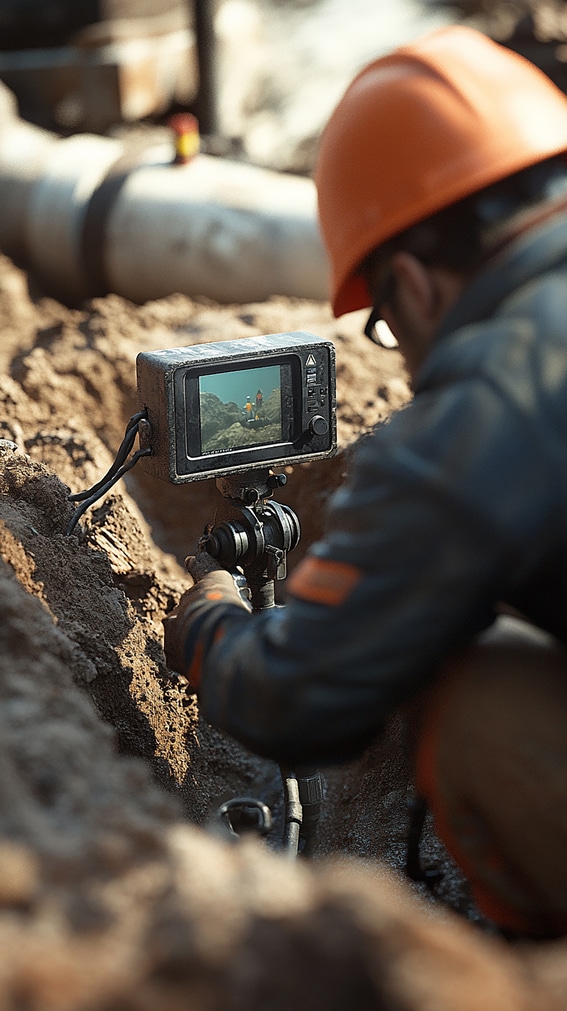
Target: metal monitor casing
(308, 406)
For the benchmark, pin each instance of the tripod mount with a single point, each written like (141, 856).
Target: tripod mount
(253, 532)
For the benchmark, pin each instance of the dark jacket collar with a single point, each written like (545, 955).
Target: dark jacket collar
(536, 252)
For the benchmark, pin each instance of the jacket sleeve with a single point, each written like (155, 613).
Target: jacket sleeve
(444, 510)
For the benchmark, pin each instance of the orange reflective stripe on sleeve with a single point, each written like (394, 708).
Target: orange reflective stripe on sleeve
(194, 671)
(323, 581)
(195, 668)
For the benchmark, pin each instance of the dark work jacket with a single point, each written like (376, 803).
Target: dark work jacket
(457, 503)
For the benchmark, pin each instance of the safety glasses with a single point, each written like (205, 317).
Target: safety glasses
(376, 329)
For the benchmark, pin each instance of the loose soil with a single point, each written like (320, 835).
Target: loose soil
(118, 891)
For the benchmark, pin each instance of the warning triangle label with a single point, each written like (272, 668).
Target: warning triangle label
(311, 360)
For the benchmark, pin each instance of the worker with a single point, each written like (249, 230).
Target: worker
(441, 583)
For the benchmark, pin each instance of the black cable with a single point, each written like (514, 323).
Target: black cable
(121, 456)
(311, 796)
(113, 475)
(431, 876)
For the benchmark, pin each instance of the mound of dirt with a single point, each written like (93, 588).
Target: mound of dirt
(115, 892)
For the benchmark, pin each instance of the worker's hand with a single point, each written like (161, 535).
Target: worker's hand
(201, 564)
(213, 585)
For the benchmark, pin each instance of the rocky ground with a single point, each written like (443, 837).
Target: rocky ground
(117, 892)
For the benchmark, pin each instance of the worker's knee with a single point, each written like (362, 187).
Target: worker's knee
(492, 763)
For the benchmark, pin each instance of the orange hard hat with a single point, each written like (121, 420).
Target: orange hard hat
(418, 130)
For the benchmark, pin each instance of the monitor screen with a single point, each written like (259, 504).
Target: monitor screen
(239, 409)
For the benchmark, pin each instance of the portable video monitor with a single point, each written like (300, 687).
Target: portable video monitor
(221, 408)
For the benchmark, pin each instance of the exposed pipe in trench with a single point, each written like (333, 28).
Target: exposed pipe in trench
(89, 216)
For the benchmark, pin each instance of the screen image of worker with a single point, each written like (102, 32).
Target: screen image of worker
(240, 408)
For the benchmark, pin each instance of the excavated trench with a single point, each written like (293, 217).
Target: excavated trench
(111, 894)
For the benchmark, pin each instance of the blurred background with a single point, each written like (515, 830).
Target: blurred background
(260, 75)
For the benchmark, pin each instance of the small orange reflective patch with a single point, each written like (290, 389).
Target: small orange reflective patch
(322, 581)
(214, 595)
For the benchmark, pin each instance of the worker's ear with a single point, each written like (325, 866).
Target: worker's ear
(427, 293)
(415, 286)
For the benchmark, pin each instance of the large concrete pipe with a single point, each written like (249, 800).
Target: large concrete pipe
(89, 216)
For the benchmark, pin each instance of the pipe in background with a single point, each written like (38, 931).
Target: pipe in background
(90, 216)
